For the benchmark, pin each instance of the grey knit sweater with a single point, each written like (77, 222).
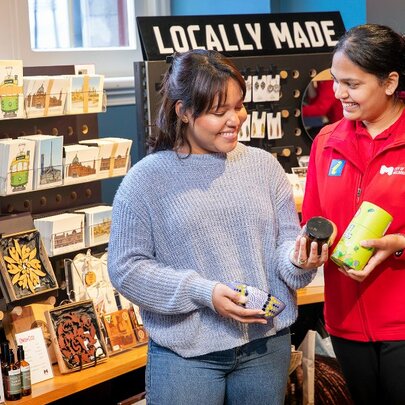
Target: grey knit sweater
(181, 225)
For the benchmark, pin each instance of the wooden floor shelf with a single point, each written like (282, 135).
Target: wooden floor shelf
(310, 295)
(63, 385)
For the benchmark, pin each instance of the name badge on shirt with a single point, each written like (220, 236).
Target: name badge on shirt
(336, 167)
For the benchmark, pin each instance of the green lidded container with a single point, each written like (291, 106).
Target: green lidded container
(369, 222)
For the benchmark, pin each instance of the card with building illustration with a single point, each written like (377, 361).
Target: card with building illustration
(45, 96)
(85, 94)
(11, 89)
(61, 233)
(105, 160)
(76, 336)
(97, 224)
(16, 165)
(80, 163)
(121, 154)
(48, 160)
(24, 266)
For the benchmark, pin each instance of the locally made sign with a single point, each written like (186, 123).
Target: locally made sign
(241, 35)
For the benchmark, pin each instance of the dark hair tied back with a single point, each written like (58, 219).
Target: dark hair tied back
(377, 49)
(195, 78)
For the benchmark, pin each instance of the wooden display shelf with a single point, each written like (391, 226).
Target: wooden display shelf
(298, 203)
(63, 385)
(310, 295)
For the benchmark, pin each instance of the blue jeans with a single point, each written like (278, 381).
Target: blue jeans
(255, 373)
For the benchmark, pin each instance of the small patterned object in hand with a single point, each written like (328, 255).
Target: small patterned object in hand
(259, 299)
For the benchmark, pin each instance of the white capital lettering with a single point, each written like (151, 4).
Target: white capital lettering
(299, 36)
(281, 35)
(328, 33)
(255, 33)
(158, 37)
(177, 33)
(314, 34)
(212, 39)
(191, 36)
(227, 46)
(241, 42)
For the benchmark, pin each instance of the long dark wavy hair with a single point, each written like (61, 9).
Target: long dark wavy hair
(196, 78)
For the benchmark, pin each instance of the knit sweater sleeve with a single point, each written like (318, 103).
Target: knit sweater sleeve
(293, 276)
(134, 271)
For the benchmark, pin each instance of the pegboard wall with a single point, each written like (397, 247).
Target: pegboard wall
(297, 70)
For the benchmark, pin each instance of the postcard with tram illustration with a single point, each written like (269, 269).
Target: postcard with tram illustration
(16, 165)
(48, 160)
(76, 336)
(25, 266)
(11, 89)
(45, 96)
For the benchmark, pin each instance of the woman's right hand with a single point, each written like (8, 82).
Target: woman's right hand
(227, 304)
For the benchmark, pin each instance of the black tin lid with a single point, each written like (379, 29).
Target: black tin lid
(319, 228)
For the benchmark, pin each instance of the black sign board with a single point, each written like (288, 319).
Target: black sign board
(241, 35)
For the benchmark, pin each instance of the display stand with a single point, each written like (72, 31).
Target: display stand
(74, 128)
(294, 46)
(17, 209)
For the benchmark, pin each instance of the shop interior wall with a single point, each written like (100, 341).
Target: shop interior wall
(121, 120)
(391, 13)
(353, 12)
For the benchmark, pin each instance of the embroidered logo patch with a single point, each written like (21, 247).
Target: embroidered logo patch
(390, 170)
(336, 167)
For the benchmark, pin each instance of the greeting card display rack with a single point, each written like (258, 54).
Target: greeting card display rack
(19, 209)
(74, 128)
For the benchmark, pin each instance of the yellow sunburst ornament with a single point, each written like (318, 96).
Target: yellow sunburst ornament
(24, 266)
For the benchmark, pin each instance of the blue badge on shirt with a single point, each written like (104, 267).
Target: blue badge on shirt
(336, 167)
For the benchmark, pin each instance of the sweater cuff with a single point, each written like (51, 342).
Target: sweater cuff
(202, 292)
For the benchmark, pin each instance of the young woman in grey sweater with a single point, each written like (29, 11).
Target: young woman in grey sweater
(197, 213)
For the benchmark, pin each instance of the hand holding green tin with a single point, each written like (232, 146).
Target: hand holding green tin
(369, 222)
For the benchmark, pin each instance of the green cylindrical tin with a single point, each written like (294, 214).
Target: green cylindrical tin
(369, 222)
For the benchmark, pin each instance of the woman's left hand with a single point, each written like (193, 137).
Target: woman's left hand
(300, 258)
(384, 247)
